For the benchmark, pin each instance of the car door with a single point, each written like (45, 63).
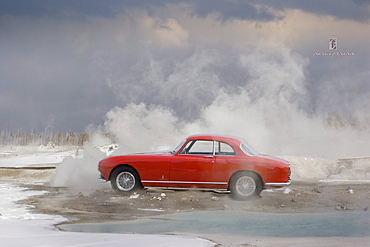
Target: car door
(225, 160)
(194, 165)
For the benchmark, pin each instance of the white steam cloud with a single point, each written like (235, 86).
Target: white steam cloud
(269, 109)
(81, 173)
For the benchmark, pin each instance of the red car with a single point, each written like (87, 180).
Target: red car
(200, 161)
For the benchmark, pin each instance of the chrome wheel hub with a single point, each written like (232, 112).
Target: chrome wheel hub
(125, 181)
(245, 186)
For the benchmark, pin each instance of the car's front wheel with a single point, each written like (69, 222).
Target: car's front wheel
(244, 185)
(125, 179)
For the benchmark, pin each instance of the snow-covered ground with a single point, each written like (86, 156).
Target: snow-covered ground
(20, 227)
(35, 156)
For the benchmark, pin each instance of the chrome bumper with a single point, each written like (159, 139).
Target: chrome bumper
(279, 184)
(101, 179)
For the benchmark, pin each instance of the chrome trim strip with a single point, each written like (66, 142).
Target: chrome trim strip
(155, 182)
(182, 182)
(279, 184)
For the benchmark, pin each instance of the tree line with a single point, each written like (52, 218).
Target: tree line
(21, 138)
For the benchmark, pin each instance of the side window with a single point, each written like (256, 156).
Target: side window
(223, 148)
(198, 147)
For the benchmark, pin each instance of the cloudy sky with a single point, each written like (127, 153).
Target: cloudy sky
(72, 64)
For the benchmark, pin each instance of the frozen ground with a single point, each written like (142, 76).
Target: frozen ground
(36, 196)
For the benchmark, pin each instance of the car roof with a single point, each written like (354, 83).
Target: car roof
(216, 138)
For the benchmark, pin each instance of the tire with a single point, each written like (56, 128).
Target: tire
(125, 180)
(245, 185)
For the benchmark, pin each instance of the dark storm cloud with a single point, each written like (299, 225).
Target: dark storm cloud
(109, 8)
(44, 81)
(227, 9)
(358, 10)
(231, 10)
(71, 9)
(37, 91)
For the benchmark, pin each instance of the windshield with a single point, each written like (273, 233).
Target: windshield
(178, 147)
(247, 149)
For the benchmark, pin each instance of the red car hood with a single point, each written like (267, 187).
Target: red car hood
(132, 156)
(149, 153)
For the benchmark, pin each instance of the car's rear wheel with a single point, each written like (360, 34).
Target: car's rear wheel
(244, 185)
(125, 179)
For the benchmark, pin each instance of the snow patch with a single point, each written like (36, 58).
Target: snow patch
(151, 209)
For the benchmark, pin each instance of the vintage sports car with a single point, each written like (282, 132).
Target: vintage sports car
(200, 161)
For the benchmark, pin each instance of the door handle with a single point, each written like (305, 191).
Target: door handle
(208, 156)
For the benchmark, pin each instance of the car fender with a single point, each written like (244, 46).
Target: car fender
(122, 165)
(249, 171)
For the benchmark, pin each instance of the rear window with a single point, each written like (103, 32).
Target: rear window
(223, 148)
(247, 149)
